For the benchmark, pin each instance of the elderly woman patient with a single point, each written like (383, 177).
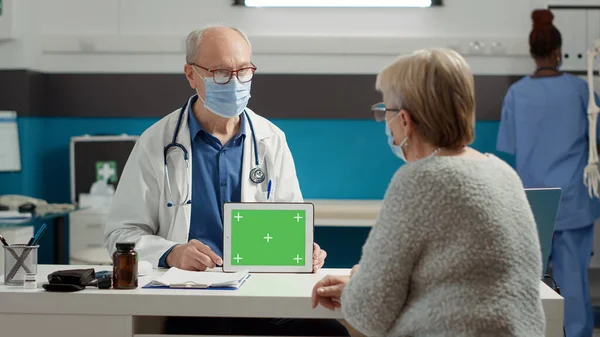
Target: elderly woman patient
(455, 250)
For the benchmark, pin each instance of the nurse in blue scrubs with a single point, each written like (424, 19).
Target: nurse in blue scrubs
(544, 125)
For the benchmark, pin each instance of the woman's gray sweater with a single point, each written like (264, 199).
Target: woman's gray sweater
(454, 252)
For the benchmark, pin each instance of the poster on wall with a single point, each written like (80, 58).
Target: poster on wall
(10, 151)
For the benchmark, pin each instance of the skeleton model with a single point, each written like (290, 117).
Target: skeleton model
(591, 174)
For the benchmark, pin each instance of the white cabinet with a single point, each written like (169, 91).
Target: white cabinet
(86, 237)
(7, 19)
(572, 23)
(579, 27)
(593, 26)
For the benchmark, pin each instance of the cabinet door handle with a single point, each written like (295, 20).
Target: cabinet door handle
(95, 225)
(94, 245)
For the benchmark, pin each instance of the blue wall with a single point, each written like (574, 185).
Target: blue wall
(338, 159)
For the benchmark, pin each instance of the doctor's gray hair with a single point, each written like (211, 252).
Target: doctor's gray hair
(194, 39)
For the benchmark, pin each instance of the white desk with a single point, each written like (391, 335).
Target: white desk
(101, 313)
(346, 213)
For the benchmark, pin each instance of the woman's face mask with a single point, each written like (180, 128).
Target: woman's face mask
(398, 150)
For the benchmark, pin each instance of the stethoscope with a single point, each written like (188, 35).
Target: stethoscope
(257, 175)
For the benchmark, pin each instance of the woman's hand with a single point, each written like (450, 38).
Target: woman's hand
(354, 270)
(328, 291)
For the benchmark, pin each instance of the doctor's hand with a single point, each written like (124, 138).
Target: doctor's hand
(328, 291)
(193, 255)
(319, 256)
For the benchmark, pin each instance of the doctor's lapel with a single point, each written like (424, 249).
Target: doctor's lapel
(180, 179)
(250, 190)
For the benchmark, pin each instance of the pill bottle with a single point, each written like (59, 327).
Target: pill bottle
(30, 281)
(125, 266)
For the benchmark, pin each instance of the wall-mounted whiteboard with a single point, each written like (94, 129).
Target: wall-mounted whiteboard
(10, 152)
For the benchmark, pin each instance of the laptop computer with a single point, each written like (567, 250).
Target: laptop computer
(544, 204)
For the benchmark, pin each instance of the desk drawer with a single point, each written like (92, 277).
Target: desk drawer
(86, 231)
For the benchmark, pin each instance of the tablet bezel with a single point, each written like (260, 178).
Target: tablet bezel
(309, 236)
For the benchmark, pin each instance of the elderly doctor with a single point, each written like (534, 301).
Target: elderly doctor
(211, 151)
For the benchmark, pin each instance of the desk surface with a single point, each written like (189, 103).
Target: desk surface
(263, 295)
(345, 213)
(35, 219)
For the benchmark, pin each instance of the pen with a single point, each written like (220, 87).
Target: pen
(269, 190)
(36, 238)
(3, 240)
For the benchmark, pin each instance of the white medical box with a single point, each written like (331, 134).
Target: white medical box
(96, 157)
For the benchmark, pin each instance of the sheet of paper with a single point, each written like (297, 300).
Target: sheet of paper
(14, 217)
(10, 152)
(176, 277)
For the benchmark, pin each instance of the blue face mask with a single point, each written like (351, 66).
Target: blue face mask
(225, 100)
(396, 149)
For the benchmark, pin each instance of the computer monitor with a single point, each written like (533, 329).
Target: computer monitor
(544, 204)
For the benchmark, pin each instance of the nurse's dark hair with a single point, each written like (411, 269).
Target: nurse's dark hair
(544, 38)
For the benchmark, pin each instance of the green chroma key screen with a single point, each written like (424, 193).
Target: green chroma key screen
(268, 237)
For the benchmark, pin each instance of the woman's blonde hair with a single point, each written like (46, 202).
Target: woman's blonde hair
(437, 89)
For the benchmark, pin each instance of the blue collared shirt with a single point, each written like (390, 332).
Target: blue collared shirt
(216, 179)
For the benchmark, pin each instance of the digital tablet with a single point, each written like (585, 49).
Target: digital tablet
(268, 237)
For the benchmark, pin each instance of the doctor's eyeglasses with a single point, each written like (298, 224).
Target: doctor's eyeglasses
(378, 110)
(223, 76)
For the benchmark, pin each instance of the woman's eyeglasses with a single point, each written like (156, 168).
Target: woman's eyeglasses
(378, 110)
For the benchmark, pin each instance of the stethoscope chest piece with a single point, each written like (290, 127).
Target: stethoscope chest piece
(257, 175)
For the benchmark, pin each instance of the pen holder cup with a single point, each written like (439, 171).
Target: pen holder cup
(19, 261)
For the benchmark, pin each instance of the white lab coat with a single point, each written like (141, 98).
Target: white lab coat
(139, 211)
